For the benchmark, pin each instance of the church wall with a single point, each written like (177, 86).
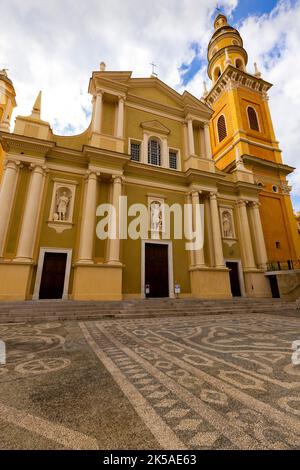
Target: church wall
(275, 226)
(133, 129)
(48, 236)
(247, 98)
(108, 118)
(17, 213)
(153, 94)
(131, 249)
(222, 107)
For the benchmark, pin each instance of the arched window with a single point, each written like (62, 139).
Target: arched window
(221, 125)
(239, 64)
(154, 152)
(217, 73)
(253, 121)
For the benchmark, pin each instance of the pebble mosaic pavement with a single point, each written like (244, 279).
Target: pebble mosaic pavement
(209, 382)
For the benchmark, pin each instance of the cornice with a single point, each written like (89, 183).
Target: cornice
(235, 78)
(284, 169)
(155, 126)
(103, 156)
(21, 143)
(98, 80)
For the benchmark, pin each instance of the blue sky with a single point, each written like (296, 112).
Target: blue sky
(44, 51)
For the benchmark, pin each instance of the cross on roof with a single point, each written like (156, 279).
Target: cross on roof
(153, 69)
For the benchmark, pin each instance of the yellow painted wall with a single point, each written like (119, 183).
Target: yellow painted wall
(131, 249)
(133, 129)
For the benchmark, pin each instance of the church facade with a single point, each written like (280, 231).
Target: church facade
(148, 145)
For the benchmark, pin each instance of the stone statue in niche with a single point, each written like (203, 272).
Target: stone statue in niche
(227, 224)
(156, 216)
(63, 199)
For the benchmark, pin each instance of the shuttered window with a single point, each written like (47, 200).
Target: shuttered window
(222, 131)
(253, 121)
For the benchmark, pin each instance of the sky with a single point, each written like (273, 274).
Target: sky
(54, 46)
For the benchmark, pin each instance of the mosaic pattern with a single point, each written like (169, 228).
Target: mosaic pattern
(26, 347)
(211, 382)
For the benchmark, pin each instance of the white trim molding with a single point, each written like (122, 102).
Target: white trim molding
(38, 278)
(170, 265)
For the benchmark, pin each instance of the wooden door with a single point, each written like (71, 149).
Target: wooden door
(156, 269)
(53, 276)
(234, 278)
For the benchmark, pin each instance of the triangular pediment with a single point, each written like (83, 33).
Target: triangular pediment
(155, 126)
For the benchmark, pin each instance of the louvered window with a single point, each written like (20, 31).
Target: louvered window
(154, 152)
(222, 131)
(253, 121)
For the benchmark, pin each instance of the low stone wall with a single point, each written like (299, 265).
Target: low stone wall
(288, 284)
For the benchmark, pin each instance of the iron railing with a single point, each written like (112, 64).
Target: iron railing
(287, 265)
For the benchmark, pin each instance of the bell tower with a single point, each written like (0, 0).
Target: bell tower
(225, 48)
(7, 104)
(241, 130)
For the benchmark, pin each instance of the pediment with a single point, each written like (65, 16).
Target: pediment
(155, 126)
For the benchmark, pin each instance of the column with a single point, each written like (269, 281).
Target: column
(190, 228)
(120, 118)
(114, 245)
(98, 112)
(198, 254)
(208, 153)
(216, 231)
(7, 194)
(165, 153)
(87, 231)
(246, 242)
(190, 136)
(261, 251)
(185, 139)
(31, 214)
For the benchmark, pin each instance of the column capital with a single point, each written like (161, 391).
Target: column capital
(213, 194)
(241, 202)
(11, 163)
(122, 98)
(255, 204)
(118, 179)
(92, 174)
(188, 119)
(98, 93)
(195, 192)
(39, 168)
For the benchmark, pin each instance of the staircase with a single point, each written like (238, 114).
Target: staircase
(56, 310)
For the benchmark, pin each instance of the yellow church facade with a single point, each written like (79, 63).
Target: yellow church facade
(148, 145)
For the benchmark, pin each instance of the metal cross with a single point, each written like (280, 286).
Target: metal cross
(153, 69)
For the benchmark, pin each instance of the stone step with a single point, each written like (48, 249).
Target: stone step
(120, 315)
(87, 317)
(138, 309)
(121, 305)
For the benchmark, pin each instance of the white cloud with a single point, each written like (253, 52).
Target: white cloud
(55, 45)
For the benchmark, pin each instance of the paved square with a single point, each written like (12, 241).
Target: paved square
(217, 382)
